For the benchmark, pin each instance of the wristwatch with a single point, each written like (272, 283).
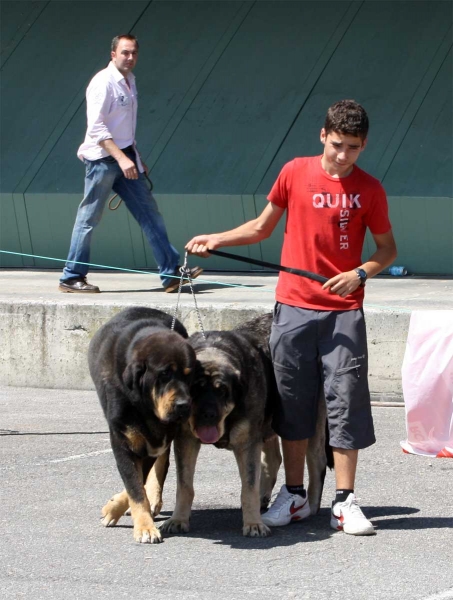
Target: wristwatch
(361, 274)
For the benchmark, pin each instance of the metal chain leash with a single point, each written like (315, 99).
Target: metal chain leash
(185, 274)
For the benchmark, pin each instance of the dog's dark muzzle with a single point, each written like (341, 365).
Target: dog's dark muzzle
(206, 410)
(181, 410)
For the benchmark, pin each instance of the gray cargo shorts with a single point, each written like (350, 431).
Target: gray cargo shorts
(313, 347)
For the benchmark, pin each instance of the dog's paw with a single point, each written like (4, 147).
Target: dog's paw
(174, 526)
(156, 508)
(264, 503)
(114, 510)
(147, 535)
(109, 520)
(256, 530)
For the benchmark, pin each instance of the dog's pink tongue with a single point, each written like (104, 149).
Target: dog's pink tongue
(208, 435)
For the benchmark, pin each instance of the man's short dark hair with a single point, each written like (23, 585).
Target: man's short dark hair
(124, 36)
(347, 117)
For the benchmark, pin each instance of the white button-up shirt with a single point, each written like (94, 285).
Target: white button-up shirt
(111, 113)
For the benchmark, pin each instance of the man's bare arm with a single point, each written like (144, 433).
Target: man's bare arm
(251, 232)
(126, 164)
(346, 283)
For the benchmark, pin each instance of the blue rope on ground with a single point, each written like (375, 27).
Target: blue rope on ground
(199, 280)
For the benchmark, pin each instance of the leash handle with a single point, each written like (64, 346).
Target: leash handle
(262, 263)
(151, 186)
(117, 205)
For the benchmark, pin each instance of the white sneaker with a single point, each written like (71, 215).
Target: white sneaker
(347, 516)
(286, 508)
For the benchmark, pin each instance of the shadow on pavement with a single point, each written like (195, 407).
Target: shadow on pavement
(415, 523)
(224, 526)
(199, 288)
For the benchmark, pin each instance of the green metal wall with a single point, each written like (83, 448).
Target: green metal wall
(229, 91)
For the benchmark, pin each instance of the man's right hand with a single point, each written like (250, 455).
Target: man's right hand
(201, 244)
(128, 167)
(126, 164)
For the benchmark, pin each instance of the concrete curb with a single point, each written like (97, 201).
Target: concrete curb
(44, 335)
(44, 344)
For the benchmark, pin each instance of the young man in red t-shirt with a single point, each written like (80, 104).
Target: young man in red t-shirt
(318, 332)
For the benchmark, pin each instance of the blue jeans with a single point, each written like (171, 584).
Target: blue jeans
(103, 176)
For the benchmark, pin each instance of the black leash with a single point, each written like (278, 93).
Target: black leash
(262, 263)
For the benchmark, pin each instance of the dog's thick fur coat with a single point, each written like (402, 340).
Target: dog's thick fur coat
(232, 404)
(142, 371)
(233, 398)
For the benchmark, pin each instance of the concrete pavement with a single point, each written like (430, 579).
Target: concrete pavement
(45, 333)
(57, 471)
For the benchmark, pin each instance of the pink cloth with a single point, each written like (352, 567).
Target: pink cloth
(427, 378)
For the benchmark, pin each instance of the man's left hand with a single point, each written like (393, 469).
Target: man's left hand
(343, 284)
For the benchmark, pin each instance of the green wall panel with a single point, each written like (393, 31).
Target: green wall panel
(248, 95)
(187, 215)
(9, 232)
(423, 229)
(14, 231)
(51, 218)
(176, 40)
(229, 91)
(182, 42)
(271, 248)
(117, 240)
(47, 73)
(423, 164)
(380, 62)
(16, 18)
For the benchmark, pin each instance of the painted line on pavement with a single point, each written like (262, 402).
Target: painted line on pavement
(55, 461)
(447, 595)
(74, 457)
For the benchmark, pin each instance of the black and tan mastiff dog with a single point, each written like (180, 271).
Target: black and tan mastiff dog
(233, 397)
(142, 372)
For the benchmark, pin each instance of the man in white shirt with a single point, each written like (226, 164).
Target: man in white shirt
(113, 163)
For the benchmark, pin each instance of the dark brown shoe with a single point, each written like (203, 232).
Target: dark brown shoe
(78, 286)
(174, 285)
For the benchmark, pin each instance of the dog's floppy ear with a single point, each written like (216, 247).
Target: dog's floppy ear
(133, 375)
(197, 371)
(240, 386)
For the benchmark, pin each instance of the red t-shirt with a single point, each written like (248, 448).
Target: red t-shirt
(326, 221)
